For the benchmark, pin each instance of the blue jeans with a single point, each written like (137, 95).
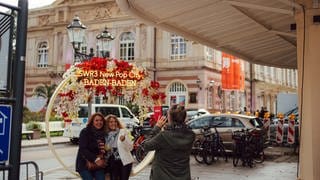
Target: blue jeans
(89, 175)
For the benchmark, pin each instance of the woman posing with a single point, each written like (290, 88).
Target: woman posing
(119, 144)
(90, 142)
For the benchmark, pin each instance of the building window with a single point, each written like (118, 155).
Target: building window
(84, 49)
(178, 47)
(43, 55)
(192, 97)
(209, 53)
(177, 93)
(127, 46)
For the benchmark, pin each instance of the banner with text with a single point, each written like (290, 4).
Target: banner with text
(232, 73)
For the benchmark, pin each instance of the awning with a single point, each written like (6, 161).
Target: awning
(259, 31)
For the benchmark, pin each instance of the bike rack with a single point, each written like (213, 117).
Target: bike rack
(38, 175)
(4, 169)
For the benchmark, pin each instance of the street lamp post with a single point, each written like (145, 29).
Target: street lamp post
(76, 33)
(104, 43)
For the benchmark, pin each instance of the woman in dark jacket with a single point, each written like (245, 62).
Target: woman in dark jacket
(91, 148)
(172, 147)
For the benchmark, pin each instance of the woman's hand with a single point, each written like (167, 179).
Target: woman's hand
(122, 138)
(100, 163)
(161, 121)
(101, 147)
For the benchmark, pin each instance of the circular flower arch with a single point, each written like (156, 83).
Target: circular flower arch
(109, 78)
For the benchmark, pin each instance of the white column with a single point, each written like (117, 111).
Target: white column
(308, 45)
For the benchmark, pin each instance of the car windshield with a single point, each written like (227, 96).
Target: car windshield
(256, 122)
(292, 111)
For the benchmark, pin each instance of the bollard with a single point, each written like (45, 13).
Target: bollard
(279, 133)
(266, 124)
(291, 130)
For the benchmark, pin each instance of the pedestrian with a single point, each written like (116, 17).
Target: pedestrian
(245, 110)
(261, 113)
(91, 148)
(119, 145)
(172, 146)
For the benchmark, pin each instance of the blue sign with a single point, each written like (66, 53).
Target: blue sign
(5, 131)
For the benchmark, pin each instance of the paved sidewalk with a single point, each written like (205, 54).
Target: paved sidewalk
(276, 167)
(217, 171)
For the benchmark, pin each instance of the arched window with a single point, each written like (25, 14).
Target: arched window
(178, 47)
(177, 94)
(42, 55)
(127, 46)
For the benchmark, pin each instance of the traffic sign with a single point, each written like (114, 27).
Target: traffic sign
(5, 131)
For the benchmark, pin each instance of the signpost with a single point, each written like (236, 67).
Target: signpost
(5, 131)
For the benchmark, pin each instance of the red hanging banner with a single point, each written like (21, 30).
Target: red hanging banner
(232, 75)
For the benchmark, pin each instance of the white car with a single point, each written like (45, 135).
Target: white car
(194, 113)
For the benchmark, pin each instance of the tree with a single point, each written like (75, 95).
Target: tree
(45, 91)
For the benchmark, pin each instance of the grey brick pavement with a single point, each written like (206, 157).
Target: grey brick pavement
(281, 166)
(269, 170)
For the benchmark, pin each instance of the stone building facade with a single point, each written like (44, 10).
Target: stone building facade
(188, 72)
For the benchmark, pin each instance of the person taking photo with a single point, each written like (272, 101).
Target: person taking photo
(172, 146)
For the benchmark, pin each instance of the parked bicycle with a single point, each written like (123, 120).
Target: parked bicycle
(248, 147)
(139, 133)
(211, 147)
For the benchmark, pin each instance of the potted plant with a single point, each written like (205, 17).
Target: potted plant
(36, 128)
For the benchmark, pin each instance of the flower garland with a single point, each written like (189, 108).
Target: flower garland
(111, 78)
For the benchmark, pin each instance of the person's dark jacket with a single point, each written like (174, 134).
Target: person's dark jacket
(88, 147)
(172, 157)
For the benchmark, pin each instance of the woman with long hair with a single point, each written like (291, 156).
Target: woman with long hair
(119, 145)
(91, 148)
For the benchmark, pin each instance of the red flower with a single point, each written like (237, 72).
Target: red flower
(162, 96)
(123, 65)
(65, 114)
(155, 96)
(145, 92)
(114, 92)
(155, 84)
(95, 63)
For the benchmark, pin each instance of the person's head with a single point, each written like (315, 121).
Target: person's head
(177, 114)
(97, 121)
(113, 123)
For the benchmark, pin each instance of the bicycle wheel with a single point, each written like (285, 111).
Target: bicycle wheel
(207, 152)
(140, 153)
(198, 152)
(258, 157)
(222, 152)
(236, 155)
(248, 159)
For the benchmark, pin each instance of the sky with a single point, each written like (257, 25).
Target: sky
(32, 3)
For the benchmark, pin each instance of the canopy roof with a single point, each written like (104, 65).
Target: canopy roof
(258, 31)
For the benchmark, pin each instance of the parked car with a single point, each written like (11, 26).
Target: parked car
(231, 122)
(194, 113)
